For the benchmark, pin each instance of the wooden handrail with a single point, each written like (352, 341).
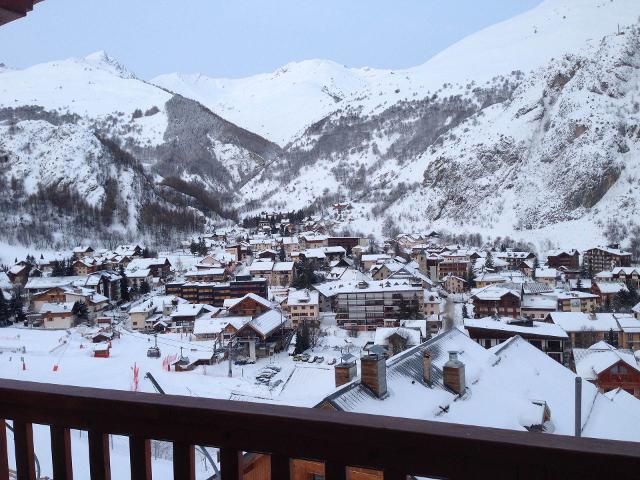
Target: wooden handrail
(395, 445)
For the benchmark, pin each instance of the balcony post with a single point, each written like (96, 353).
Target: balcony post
(280, 467)
(230, 464)
(334, 471)
(184, 461)
(61, 453)
(4, 461)
(25, 458)
(140, 458)
(99, 462)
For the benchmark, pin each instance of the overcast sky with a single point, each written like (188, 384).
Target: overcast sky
(234, 38)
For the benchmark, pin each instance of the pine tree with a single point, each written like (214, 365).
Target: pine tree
(282, 254)
(465, 312)
(144, 287)
(4, 311)
(80, 310)
(68, 268)
(193, 247)
(579, 284)
(488, 261)
(303, 338)
(124, 285)
(17, 306)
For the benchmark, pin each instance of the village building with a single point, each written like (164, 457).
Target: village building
(625, 275)
(213, 274)
(395, 340)
(513, 258)
(606, 291)
(496, 300)
(585, 329)
(302, 305)
(264, 335)
(18, 274)
(548, 337)
(453, 284)
(185, 315)
(218, 328)
(574, 300)
(282, 274)
(630, 331)
(249, 305)
(602, 258)
(160, 267)
(82, 251)
(569, 259)
(548, 276)
(366, 305)
(57, 315)
(488, 278)
(137, 278)
(609, 368)
(369, 259)
(536, 306)
(215, 294)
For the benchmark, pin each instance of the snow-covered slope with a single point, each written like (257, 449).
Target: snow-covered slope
(281, 104)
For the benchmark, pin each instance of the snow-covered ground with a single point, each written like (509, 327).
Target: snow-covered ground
(296, 383)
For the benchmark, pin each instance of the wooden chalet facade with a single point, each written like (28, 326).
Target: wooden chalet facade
(568, 259)
(599, 259)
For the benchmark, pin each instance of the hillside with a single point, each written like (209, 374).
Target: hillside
(527, 128)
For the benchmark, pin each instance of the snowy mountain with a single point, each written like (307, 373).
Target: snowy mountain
(528, 128)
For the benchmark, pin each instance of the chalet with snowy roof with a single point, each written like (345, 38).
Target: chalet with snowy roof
(82, 251)
(282, 274)
(496, 300)
(636, 311)
(185, 314)
(630, 331)
(370, 259)
(574, 300)
(312, 240)
(492, 331)
(143, 315)
(609, 368)
(569, 259)
(250, 305)
(395, 340)
(88, 265)
(264, 335)
(18, 274)
(622, 275)
(513, 258)
(137, 278)
(536, 306)
(602, 258)
(548, 276)
(453, 284)
(94, 302)
(455, 265)
(488, 278)
(160, 267)
(218, 328)
(57, 315)
(606, 291)
(302, 305)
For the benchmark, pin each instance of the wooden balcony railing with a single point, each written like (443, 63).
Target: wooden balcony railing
(394, 446)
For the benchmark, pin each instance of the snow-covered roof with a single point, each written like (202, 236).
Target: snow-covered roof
(505, 385)
(411, 335)
(63, 307)
(546, 273)
(542, 329)
(142, 273)
(207, 325)
(230, 302)
(205, 272)
(261, 266)
(579, 321)
(592, 362)
(283, 266)
(302, 297)
(542, 302)
(494, 292)
(611, 287)
(267, 322)
(330, 289)
(191, 309)
(628, 323)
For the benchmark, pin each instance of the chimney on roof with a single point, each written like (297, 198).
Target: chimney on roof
(345, 371)
(453, 372)
(426, 366)
(374, 373)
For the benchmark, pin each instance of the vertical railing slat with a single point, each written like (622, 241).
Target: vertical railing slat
(99, 463)
(393, 474)
(280, 467)
(140, 458)
(25, 457)
(335, 471)
(61, 453)
(230, 464)
(4, 453)
(184, 461)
